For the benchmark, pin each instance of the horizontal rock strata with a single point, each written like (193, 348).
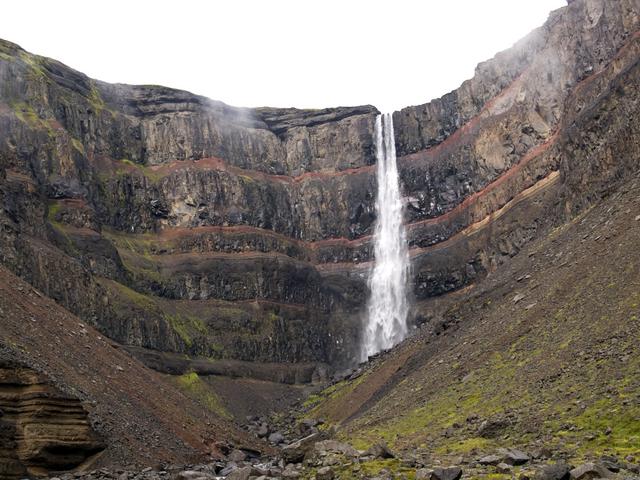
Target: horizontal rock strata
(185, 225)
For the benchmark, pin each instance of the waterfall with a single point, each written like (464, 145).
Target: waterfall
(388, 307)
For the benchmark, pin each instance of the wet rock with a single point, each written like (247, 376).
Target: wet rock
(451, 473)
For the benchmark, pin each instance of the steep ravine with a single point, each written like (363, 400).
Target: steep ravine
(179, 224)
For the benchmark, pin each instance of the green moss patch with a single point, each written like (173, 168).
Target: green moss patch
(196, 388)
(185, 326)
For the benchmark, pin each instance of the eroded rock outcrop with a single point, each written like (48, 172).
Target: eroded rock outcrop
(41, 429)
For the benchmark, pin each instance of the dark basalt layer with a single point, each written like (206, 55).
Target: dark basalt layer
(181, 224)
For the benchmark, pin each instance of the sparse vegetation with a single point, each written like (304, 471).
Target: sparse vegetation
(198, 389)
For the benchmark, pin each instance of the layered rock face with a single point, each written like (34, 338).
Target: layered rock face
(41, 428)
(177, 223)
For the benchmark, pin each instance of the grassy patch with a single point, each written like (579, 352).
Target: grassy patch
(77, 144)
(480, 396)
(140, 266)
(200, 391)
(27, 115)
(139, 299)
(129, 166)
(53, 210)
(95, 99)
(186, 326)
(34, 63)
(471, 444)
(316, 405)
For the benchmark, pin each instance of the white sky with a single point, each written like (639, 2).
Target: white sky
(278, 53)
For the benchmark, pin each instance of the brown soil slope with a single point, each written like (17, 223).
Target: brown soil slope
(141, 417)
(544, 352)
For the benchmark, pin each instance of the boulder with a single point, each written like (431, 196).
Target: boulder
(228, 468)
(333, 446)
(490, 460)
(380, 450)
(194, 475)
(295, 452)
(237, 456)
(611, 463)
(276, 438)
(240, 474)
(513, 456)
(258, 471)
(423, 474)
(541, 453)
(325, 473)
(291, 472)
(307, 423)
(451, 473)
(263, 430)
(504, 468)
(588, 471)
(492, 428)
(556, 471)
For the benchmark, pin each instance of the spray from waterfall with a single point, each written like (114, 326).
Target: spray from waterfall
(388, 307)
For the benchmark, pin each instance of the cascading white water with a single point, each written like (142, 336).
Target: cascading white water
(388, 307)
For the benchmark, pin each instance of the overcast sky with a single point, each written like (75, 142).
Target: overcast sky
(278, 53)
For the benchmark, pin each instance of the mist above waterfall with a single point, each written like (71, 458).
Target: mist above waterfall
(387, 309)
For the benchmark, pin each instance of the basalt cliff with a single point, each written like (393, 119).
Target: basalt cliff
(205, 237)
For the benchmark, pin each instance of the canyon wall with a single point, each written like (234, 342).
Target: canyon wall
(177, 223)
